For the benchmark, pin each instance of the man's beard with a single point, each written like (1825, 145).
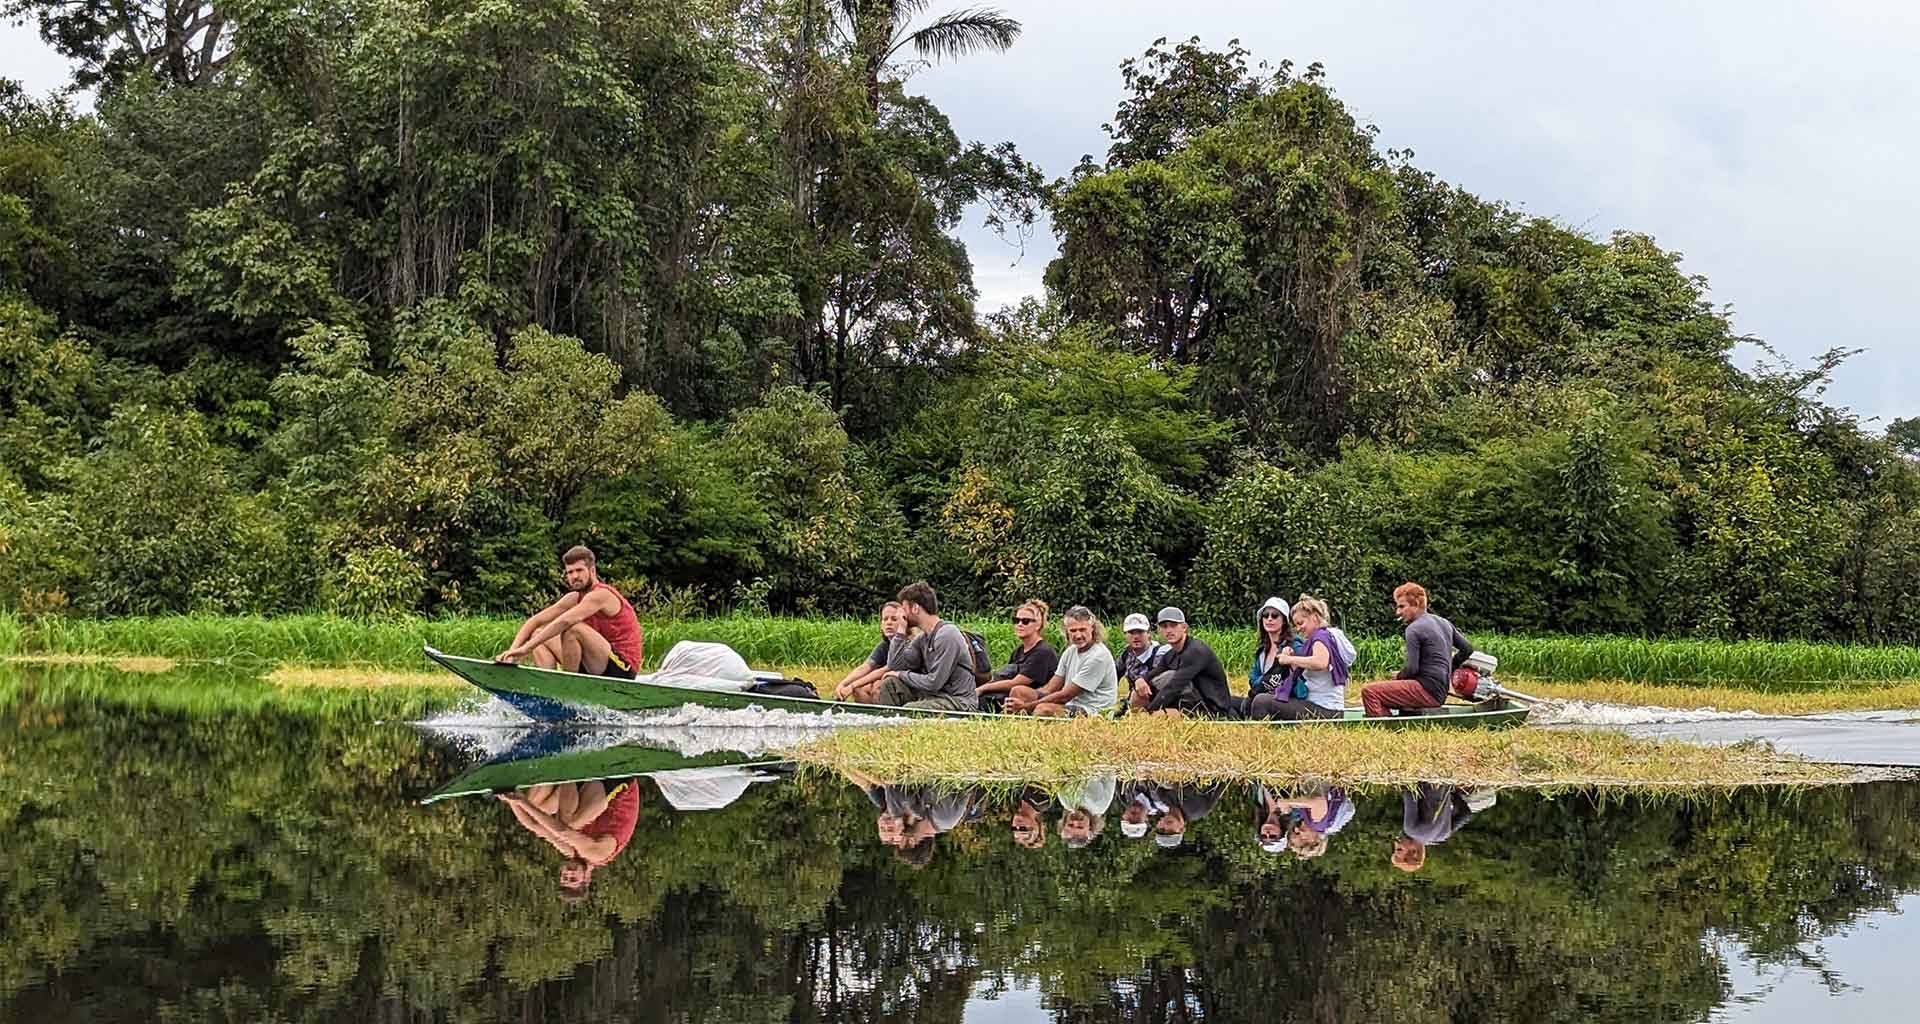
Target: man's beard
(580, 588)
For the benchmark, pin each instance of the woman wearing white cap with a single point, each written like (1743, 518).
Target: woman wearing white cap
(1318, 689)
(1275, 637)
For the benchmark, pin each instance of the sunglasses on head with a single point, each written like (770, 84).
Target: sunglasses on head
(1022, 620)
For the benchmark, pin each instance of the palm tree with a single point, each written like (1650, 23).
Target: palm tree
(878, 29)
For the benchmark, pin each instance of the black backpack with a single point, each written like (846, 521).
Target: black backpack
(982, 663)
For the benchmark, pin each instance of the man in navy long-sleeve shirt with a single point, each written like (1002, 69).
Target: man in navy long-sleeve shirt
(1434, 649)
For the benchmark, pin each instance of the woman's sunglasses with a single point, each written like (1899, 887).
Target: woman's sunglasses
(1269, 615)
(1022, 620)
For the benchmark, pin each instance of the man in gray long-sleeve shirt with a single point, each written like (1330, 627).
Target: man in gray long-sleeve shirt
(1434, 649)
(935, 670)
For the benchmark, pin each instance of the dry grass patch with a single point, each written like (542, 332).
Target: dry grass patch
(1341, 755)
(1861, 696)
(140, 664)
(358, 678)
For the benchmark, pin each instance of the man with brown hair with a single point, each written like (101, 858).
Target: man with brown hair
(935, 671)
(1434, 650)
(591, 629)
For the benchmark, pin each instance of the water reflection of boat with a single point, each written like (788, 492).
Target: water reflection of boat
(558, 757)
(549, 695)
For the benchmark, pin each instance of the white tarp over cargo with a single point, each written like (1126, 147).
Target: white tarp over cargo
(702, 666)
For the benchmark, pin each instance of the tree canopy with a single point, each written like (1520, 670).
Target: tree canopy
(412, 296)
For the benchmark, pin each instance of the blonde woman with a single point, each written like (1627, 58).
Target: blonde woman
(1084, 681)
(866, 675)
(1317, 685)
(1033, 660)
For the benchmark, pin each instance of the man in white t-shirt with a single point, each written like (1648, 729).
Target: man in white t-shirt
(1084, 681)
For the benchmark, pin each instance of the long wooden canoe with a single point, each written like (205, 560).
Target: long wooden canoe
(548, 695)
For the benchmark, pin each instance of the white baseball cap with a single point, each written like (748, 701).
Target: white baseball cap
(1137, 621)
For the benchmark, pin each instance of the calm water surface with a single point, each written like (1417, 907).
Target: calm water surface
(174, 863)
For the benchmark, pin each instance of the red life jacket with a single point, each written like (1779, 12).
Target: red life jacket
(622, 629)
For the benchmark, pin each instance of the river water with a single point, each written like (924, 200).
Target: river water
(171, 860)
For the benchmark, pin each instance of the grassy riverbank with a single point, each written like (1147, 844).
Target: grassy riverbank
(1027, 751)
(1839, 696)
(1004, 750)
(770, 641)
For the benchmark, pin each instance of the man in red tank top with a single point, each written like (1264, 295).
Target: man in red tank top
(591, 629)
(588, 822)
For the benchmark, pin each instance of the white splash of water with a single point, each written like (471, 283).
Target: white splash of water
(1581, 712)
(488, 712)
(489, 727)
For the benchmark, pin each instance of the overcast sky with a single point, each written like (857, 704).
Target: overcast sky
(1773, 143)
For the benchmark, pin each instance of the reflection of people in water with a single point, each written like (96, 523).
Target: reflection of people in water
(1300, 823)
(588, 822)
(911, 816)
(1431, 813)
(1084, 810)
(1183, 805)
(1140, 807)
(1029, 817)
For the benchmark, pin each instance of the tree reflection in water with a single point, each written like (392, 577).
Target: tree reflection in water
(258, 866)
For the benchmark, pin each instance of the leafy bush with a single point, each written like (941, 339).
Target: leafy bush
(1089, 520)
(679, 519)
(1269, 533)
(163, 529)
(50, 387)
(378, 581)
(834, 534)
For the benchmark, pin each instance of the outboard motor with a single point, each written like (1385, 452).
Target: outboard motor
(1473, 680)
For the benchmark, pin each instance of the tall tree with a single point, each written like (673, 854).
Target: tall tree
(1244, 249)
(879, 29)
(182, 42)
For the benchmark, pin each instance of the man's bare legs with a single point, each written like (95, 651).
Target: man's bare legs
(579, 649)
(562, 800)
(590, 802)
(523, 813)
(575, 803)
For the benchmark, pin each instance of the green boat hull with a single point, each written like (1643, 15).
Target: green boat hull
(553, 696)
(550, 695)
(620, 762)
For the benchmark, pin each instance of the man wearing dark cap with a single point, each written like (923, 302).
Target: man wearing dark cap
(1185, 804)
(1191, 680)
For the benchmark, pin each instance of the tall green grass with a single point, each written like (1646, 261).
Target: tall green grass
(327, 640)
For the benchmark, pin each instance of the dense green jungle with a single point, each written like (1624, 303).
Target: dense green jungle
(372, 308)
(163, 863)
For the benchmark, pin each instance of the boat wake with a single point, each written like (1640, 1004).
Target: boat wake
(1595, 713)
(1581, 712)
(490, 727)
